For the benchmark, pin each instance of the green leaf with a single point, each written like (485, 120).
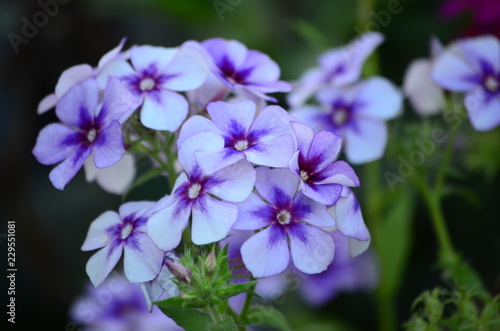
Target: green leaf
(314, 36)
(394, 241)
(235, 289)
(263, 315)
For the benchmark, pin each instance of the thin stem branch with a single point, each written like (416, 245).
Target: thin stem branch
(248, 303)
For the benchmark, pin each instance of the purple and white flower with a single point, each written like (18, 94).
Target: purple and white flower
(266, 140)
(114, 179)
(79, 73)
(290, 224)
(210, 198)
(241, 69)
(338, 67)
(472, 66)
(357, 114)
(123, 232)
(156, 73)
(321, 177)
(85, 128)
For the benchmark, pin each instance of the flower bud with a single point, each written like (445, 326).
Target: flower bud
(211, 262)
(180, 272)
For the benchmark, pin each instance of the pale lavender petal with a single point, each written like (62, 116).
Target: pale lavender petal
(135, 207)
(142, 259)
(367, 142)
(66, 170)
(188, 69)
(484, 115)
(101, 263)
(312, 116)
(194, 125)
(231, 118)
(272, 122)
(226, 51)
(358, 247)
(272, 153)
(47, 103)
(165, 227)
(116, 178)
(118, 102)
(307, 85)
(55, 143)
(213, 161)
(324, 149)
(111, 55)
(77, 107)
(304, 136)
(452, 72)
(108, 146)
(312, 248)
(233, 183)
(207, 141)
(72, 76)
(380, 99)
(253, 214)
(263, 68)
(266, 253)
(277, 186)
(482, 49)
(326, 194)
(212, 220)
(117, 68)
(436, 47)
(339, 172)
(164, 110)
(143, 57)
(347, 213)
(168, 200)
(97, 236)
(317, 213)
(294, 164)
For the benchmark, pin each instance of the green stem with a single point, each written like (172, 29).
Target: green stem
(248, 303)
(236, 318)
(171, 157)
(386, 312)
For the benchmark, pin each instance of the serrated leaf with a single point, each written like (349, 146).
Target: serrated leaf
(262, 315)
(236, 289)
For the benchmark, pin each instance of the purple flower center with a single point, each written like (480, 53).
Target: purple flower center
(284, 217)
(147, 80)
(233, 75)
(491, 83)
(239, 139)
(341, 114)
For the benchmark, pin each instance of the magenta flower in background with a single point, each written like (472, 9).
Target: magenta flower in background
(290, 224)
(357, 113)
(241, 69)
(337, 67)
(484, 14)
(472, 66)
(85, 128)
(321, 177)
(156, 73)
(125, 232)
(210, 198)
(266, 140)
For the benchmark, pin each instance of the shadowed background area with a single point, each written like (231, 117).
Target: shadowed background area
(51, 225)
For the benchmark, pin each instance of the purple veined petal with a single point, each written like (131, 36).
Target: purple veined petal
(452, 72)
(349, 218)
(367, 142)
(165, 227)
(426, 97)
(312, 249)
(142, 259)
(484, 114)
(307, 85)
(294, 164)
(277, 186)
(108, 146)
(268, 87)
(272, 122)
(316, 213)
(72, 76)
(266, 253)
(164, 110)
(358, 247)
(211, 90)
(114, 179)
(324, 149)
(326, 194)
(194, 125)
(380, 99)
(339, 172)
(226, 52)
(168, 200)
(272, 153)
(118, 102)
(55, 143)
(119, 68)
(207, 141)
(213, 161)
(97, 236)
(77, 106)
(111, 55)
(47, 103)
(212, 220)
(312, 116)
(233, 183)
(66, 170)
(232, 118)
(101, 263)
(253, 214)
(304, 135)
(142, 57)
(135, 207)
(482, 49)
(188, 68)
(261, 67)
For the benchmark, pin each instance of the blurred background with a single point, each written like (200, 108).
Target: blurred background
(51, 225)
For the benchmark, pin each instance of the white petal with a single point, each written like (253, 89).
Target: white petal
(97, 236)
